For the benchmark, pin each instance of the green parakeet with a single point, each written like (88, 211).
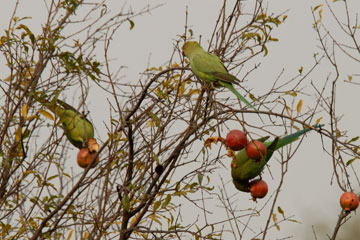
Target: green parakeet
(210, 69)
(244, 168)
(78, 128)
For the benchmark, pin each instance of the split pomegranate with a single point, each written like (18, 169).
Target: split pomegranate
(84, 158)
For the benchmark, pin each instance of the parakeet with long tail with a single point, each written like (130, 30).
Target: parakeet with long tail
(209, 68)
(244, 169)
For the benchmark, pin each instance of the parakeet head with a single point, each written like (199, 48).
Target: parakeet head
(189, 47)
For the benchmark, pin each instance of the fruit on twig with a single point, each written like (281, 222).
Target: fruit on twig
(236, 140)
(256, 150)
(258, 189)
(349, 201)
(84, 158)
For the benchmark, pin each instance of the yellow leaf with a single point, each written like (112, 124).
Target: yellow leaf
(320, 15)
(274, 217)
(155, 219)
(150, 123)
(318, 120)
(288, 110)
(29, 72)
(182, 88)
(194, 91)
(69, 235)
(298, 108)
(350, 78)
(86, 235)
(8, 78)
(29, 171)
(32, 117)
(132, 222)
(18, 134)
(317, 7)
(118, 136)
(24, 111)
(46, 114)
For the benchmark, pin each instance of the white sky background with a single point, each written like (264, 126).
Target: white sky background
(307, 193)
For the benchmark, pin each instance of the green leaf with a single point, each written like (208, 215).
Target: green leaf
(291, 93)
(350, 161)
(191, 32)
(166, 201)
(200, 177)
(266, 50)
(353, 139)
(132, 24)
(125, 202)
(156, 205)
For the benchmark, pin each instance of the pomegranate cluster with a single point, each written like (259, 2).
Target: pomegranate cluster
(237, 140)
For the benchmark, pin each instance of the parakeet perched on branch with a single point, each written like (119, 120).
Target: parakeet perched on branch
(77, 127)
(245, 169)
(210, 69)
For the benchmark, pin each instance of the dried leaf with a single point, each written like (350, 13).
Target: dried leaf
(69, 235)
(318, 120)
(18, 134)
(24, 111)
(274, 217)
(133, 220)
(132, 24)
(46, 114)
(299, 106)
(317, 7)
(182, 88)
(288, 110)
(301, 69)
(281, 211)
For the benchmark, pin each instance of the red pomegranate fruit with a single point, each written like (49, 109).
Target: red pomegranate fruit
(236, 140)
(258, 189)
(349, 201)
(84, 158)
(256, 150)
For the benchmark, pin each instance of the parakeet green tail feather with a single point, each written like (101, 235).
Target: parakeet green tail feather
(237, 94)
(292, 137)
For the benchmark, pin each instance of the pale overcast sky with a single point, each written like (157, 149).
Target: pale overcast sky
(307, 193)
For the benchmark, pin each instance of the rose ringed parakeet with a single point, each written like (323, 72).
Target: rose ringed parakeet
(209, 68)
(77, 127)
(244, 169)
